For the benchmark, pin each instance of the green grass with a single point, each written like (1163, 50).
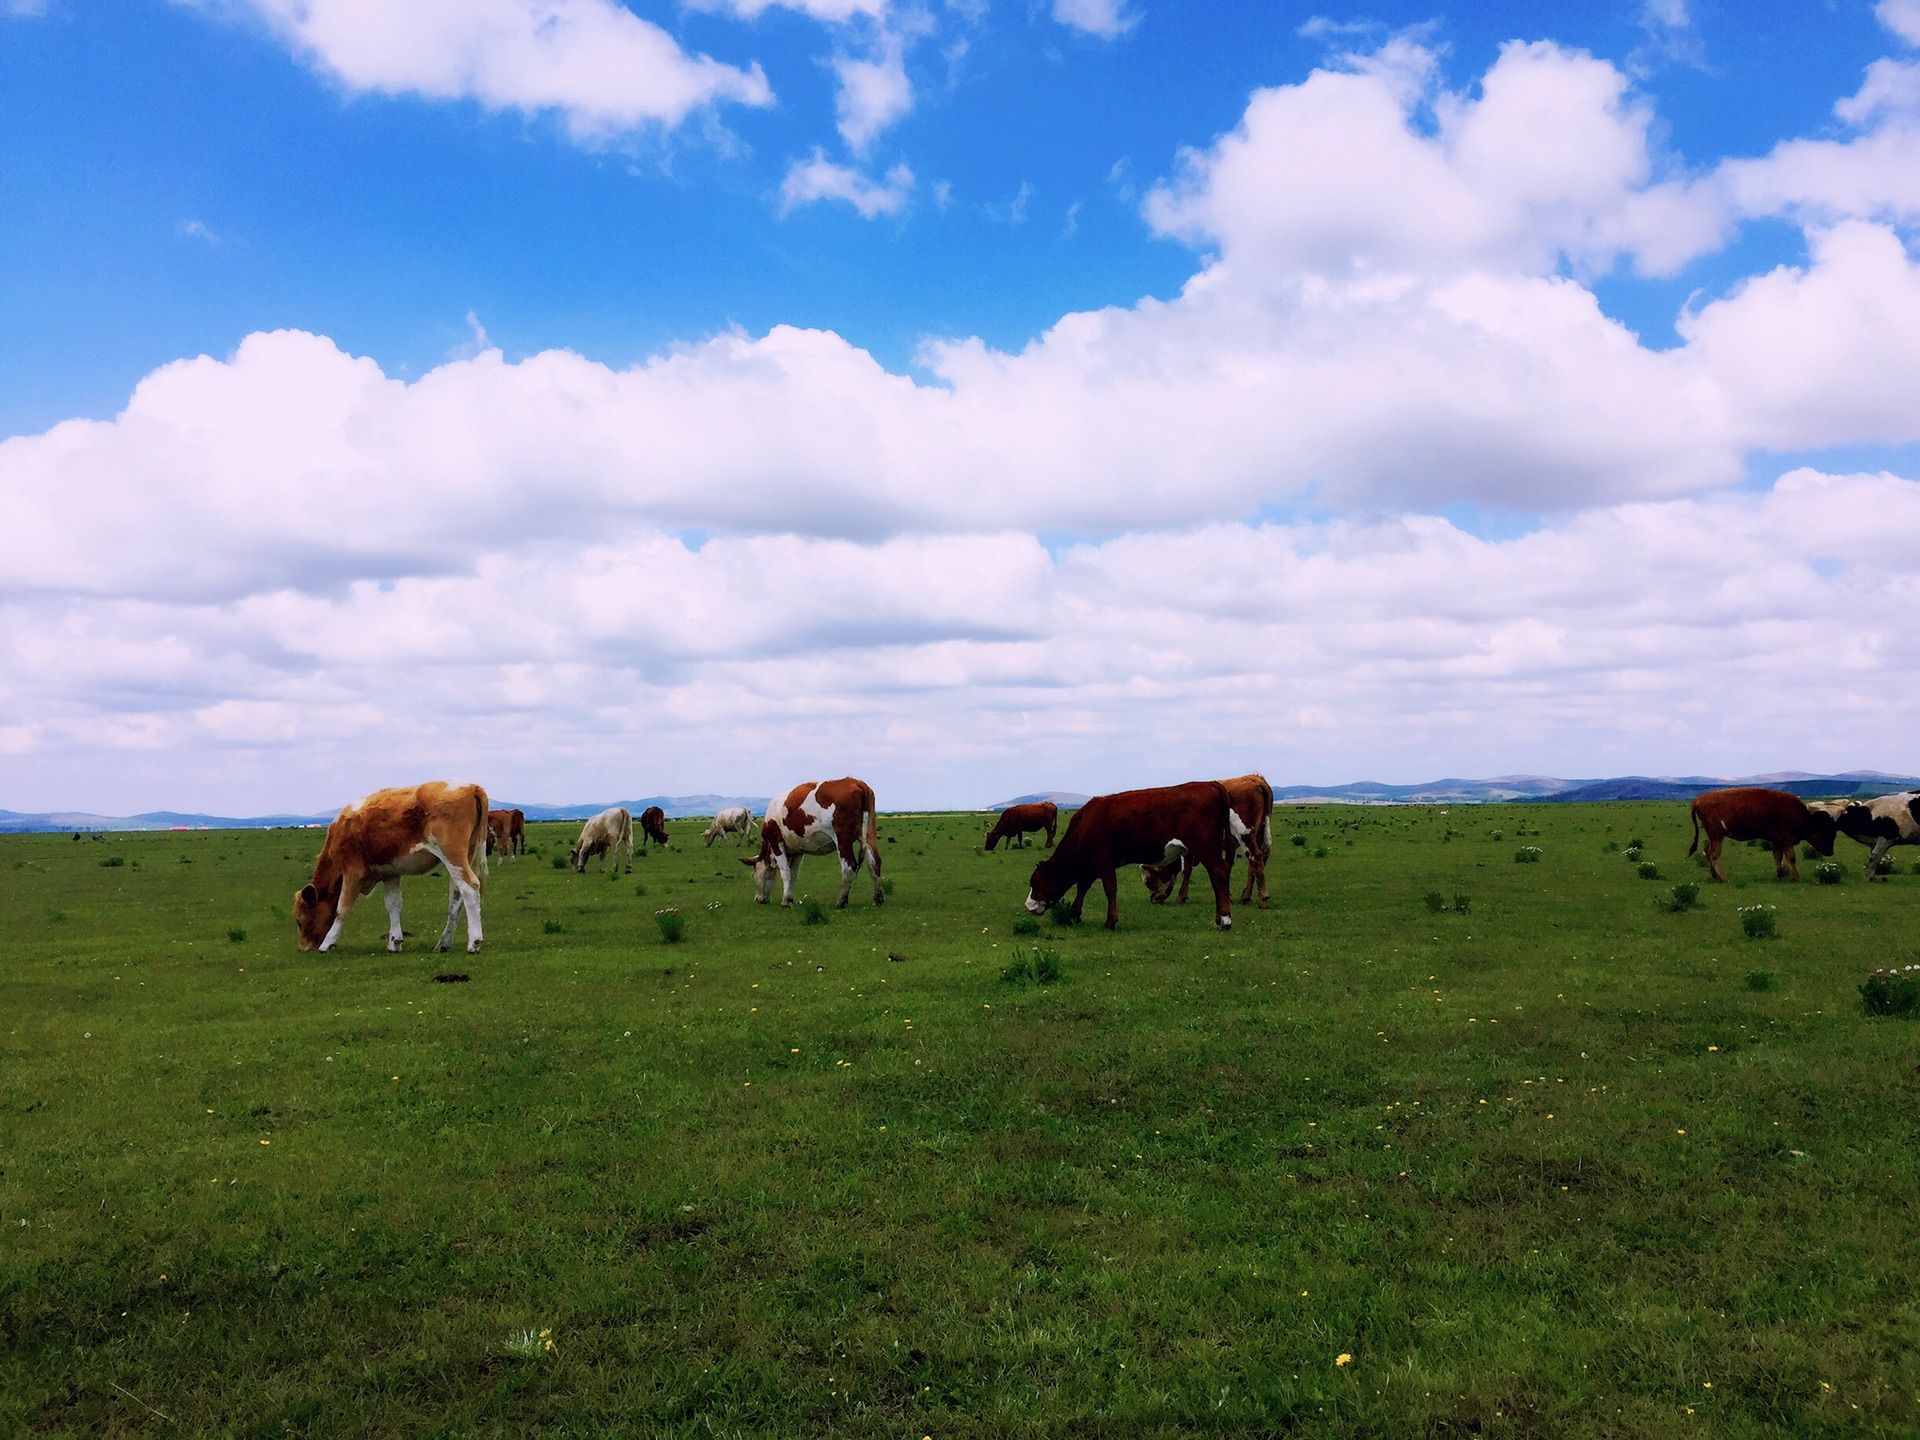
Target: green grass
(1552, 1166)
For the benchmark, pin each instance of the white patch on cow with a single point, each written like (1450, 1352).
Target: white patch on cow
(1225, 922)
(390, 892)
(1034, 907)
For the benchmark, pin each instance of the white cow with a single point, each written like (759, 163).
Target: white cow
(736, 820)
(819, 818)
(1883, 823)
(609, 832)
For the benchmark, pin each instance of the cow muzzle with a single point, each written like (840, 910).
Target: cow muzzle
(1034, 907)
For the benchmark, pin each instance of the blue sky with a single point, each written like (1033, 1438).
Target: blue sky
(630, 267)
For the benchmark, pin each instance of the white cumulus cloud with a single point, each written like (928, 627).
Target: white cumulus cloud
(593, 62)
(817, 179)
(1108, 19)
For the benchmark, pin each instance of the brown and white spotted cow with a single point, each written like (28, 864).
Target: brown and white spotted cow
(653, 826)
(1250, 815)
(1748, 812)
(392, 833)
(818, 818)
(1016, 822)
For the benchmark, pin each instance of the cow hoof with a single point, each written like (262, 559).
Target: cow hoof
(878, 898)
(473, 947)
(393, 947)
(841, 903)
(1225, 922)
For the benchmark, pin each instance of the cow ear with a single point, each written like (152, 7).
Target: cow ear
(308, 895)
(754, 861)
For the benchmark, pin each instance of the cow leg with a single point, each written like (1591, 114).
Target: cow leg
(1880, 847)
(1256, 872)
(1080, 900)
(463, 893)
(1186, 876)
(1108, 884)
(391, 894)
(1784, 857)
(788, 866)
(1714, 870)
(849, 867)
(1221, 874)
(348, 894)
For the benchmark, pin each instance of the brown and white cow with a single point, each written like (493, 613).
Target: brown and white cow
(818, 818)
(1159, 829)
(1250, 817)
(392, 833)
(734, 820)
(608, 833)
(1748, 812)
(653, 826)
(1016, 822)
(1882, 823)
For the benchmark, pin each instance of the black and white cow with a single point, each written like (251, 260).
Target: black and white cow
(1883, 823)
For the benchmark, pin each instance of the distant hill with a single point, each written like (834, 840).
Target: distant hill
(15, 822)
(1360, 792)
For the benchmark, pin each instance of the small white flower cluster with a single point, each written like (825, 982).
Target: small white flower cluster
(670, 910)
(1751, 909)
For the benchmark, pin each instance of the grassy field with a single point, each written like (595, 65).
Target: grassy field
(1557, 1163)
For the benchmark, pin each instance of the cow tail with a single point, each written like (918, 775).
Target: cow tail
(872, 836)
(1695, 812)
(477, 849)
(1266, 820)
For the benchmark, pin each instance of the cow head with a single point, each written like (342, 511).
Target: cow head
(313, 912)
(1044, 887)
(993, 835)
(1822, 827)
(582, 852)
(764, 869)
(1160, 876)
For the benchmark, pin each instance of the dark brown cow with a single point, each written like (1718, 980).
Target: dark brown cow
(517, 831)
(818, 818)
(1252, 821)
(389, 834)
(653, 826)
(1155, 828)
(1747, 812)
(1016, 822)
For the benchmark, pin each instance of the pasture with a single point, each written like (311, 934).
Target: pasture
(1560, 1163)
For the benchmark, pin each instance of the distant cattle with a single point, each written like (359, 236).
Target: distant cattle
(1250, 816)
(608, 833)
(1159, 829)
(653, 826)
(1883, 823)
(736, 820)
(1016, 822)
(517, 831)
(392, 833)
(1748, 812)
(500, 833)
(818, 818)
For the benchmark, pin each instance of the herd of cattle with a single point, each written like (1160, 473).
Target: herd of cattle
(1166, 831)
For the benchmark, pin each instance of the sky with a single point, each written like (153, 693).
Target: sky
(601, 398)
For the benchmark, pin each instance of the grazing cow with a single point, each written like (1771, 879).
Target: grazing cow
(1157, 829)
(1747, 812)
(653, 826)
(1250, 816)
(814, 819)
(609, 832)
(736, 820)
(1883, 823)
(500, 833)
(391, 833)
(1016, 822)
